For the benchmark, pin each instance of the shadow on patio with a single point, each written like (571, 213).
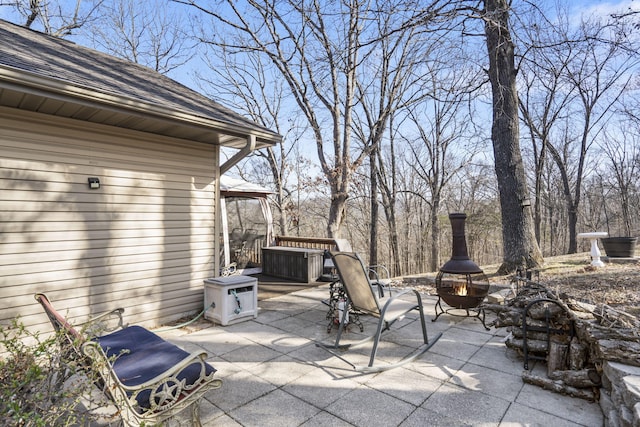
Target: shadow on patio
(274, 375)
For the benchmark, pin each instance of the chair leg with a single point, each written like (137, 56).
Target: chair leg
(337, 345)
(341, 327)
(381, 329)
(374, 350)
(425, 337)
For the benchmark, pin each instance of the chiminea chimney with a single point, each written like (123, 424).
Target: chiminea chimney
(460, 283)
(460, 263)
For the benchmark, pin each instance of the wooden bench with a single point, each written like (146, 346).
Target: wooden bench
(147, 378)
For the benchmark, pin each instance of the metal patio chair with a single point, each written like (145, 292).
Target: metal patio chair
(362, 297)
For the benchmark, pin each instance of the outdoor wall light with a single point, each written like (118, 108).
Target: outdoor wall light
(94, 183)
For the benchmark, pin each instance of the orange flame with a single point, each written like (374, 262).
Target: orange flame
(460, 289)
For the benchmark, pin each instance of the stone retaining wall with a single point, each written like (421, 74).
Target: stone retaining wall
(620, 395)
(419, 280)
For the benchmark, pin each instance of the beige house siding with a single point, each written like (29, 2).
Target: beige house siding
(143, 241)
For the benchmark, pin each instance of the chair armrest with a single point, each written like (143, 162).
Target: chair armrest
(381, 282)
(390, 301)
(376, 268)
(103, 324)
(403, 291)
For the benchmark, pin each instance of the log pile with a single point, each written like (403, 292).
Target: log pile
(572, 337)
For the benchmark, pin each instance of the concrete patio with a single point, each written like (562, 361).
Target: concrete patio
(275, 375)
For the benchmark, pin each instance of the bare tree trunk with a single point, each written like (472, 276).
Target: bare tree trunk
(388, 192)
(435, 235)
(337, 210)
(519, 243)
(373, 225)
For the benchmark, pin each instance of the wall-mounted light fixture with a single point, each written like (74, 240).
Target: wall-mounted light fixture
(94, 183)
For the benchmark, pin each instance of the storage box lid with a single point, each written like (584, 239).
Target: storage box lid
(231, 280)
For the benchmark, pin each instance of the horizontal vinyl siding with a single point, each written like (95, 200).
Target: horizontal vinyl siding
(143, 241)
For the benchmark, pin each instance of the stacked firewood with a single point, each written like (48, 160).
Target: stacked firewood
(572, 337)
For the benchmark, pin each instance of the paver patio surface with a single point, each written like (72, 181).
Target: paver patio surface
(275, 375)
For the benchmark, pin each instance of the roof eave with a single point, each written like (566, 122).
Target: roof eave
(52, 88)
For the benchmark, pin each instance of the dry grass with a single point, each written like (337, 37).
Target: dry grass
(617, 285)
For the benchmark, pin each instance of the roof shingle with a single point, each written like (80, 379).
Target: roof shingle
(38, 54)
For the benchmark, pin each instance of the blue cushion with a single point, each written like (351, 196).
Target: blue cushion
(147, 356)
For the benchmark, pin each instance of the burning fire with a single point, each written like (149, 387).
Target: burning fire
(460, 289)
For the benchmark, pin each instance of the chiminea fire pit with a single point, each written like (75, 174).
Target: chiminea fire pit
(460, 283)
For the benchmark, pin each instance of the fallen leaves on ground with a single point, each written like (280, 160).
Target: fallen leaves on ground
(616, 284)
